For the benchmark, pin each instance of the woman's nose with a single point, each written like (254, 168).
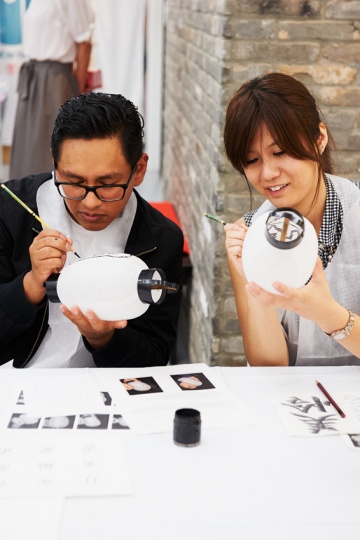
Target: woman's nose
(269, 170)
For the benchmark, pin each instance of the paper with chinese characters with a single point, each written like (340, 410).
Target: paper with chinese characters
(60, 466)
(313, 415)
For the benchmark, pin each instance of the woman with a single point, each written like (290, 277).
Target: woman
(57, 43)
(275, 137)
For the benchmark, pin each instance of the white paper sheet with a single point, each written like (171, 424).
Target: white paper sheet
(351, 402)
(9, 391)
(16, 416)
(313, 415)
(352, 441)
(56, 466)
(143, 399)
(10, 388)
(148, 398)
(31, 519)
(68, 393)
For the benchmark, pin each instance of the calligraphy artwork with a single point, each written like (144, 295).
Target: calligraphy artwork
(312, 415)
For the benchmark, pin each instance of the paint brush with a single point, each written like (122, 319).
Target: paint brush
(332, 401)
(214, 218)
(31, 212)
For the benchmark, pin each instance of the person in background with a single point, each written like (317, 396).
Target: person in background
(276, 138)
(90, 202)
(57, 43)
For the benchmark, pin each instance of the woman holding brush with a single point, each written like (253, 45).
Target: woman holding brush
(275, 137)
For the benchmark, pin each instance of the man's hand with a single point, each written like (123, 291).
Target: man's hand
(97, 332)
(48, 255)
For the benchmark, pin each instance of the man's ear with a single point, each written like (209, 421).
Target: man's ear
(140, 170)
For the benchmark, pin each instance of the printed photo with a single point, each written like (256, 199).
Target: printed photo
(59, 422)
(193, 381)
(142, 385)
(106, 398)
(93, 421)
(118, 422)
(23, 421)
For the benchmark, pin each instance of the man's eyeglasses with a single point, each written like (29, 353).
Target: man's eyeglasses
(107, 193)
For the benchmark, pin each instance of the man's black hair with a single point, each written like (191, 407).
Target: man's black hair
(96, 115)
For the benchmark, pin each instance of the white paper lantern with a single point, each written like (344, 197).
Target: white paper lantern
(114, 286)
(280, 246)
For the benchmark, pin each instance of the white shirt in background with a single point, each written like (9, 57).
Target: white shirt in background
(52, 28)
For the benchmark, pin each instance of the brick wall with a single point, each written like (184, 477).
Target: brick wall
(211, 47)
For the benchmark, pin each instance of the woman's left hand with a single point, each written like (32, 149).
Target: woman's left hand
(312, 301)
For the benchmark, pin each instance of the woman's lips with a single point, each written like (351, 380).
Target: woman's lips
(277, 190)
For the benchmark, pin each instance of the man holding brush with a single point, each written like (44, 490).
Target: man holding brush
(87, 206)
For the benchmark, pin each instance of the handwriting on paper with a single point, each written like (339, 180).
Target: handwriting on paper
(311, 415)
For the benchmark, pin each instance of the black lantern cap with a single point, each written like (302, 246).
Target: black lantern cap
(285, 228)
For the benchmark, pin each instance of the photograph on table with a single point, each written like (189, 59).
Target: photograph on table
(118, 422)
(193, 381)
(140, 385)
(59, 422)
(106, 398)
(23, 421)
(93, 421)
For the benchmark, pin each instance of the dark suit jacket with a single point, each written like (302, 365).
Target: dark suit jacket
(146, 341)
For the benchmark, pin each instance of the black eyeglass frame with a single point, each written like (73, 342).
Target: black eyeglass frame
(93, 189)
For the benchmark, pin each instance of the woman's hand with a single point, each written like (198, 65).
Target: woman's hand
(235, 235)
(97, 332)
(312, 301)
(48, 253)
(263, 338)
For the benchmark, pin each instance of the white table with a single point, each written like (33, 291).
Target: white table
(253, 482)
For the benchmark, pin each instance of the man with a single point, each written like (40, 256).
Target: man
(92, 207)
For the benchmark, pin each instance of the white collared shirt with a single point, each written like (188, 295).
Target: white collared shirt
(62, 345)
(52, 28)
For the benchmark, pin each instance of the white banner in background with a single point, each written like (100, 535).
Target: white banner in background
(119, 47)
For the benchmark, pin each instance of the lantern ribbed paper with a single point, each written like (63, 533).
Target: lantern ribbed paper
(106, 284)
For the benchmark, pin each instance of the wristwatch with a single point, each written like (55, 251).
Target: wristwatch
(338, 335)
